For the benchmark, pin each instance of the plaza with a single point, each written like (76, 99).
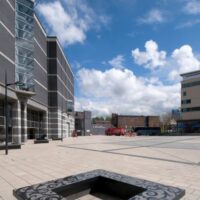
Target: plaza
(168, 160)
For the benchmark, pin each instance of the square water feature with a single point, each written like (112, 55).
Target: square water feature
(99, 184)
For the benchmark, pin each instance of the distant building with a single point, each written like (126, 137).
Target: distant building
(99, 126)
(83, 123)
(190, 102)
(133, 121)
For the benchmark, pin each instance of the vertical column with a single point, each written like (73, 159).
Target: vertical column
(24, 120)
(45, 123)
(16, 122)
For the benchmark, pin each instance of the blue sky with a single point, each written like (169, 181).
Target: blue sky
(126, 55)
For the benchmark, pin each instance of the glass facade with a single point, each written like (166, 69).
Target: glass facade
(24, 46)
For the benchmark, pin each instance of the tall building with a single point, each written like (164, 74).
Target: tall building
(83, 123)
(190, 101)
(43, 104)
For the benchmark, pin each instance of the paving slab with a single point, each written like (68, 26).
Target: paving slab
(168, 160)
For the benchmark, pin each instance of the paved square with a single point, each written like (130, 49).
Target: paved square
(168, 160)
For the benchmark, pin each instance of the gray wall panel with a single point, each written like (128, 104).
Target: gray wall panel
(7, 15)
(41, 94)
(5, 64)
(40, 75)
(40, 56)
(12, 2)
(7, 43)
(39, 35)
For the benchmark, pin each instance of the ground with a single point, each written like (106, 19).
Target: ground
(168, 160)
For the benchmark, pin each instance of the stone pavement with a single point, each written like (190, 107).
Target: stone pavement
(168, 160)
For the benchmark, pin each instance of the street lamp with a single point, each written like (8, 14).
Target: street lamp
(6, 107)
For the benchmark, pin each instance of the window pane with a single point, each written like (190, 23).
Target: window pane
(24, 61)
(26, 3)
(23, 34)
(25, 18)
(24, 9)
(23, 43)
(23, 26)
(24, 52)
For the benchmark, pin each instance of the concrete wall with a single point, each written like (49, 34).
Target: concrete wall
(40, 64)
(7, 40)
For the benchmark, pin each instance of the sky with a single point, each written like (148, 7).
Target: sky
(126, 55)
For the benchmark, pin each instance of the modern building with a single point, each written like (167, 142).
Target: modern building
(133, 121)
(83, 123)
(43, 104)
(190, 101)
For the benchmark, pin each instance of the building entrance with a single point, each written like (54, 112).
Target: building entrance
(31, 133)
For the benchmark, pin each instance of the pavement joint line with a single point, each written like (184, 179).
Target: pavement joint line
(184, 160)
(133, 155)
(151, 145)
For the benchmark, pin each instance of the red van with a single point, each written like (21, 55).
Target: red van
(115, 131)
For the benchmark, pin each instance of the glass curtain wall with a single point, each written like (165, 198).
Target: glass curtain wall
(24, 46)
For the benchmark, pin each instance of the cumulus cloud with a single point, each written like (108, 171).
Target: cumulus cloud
(70, 19)
(181, 60)
(121, 91)
(154, 16)
(192, 7)
(185, 61)
(117, 62)
(151, 58)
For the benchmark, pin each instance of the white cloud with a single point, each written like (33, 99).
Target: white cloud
(151, 58)
(192, 7)
(70, 20)
(154, 16)
(117, 62)
(185, 61)
(120, 91)
(181, 60)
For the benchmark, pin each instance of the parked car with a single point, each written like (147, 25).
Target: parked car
(115, 131)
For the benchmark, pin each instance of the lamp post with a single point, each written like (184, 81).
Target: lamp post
(6, 108)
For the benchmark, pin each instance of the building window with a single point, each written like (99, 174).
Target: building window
(186, 101)
(184, 93)
(24, 44)
(192, 109)
(191, 84)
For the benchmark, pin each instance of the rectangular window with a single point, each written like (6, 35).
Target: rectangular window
(24, 9)
(24, 26)
(186, 101)
(23, 34)
(29, 4)
(184, 93)
(20, 51)
(25, 18)
(21, 60)
(195, 83)
(24, 44)
(192, 109)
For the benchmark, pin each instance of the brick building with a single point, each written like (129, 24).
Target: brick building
(133, 121)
